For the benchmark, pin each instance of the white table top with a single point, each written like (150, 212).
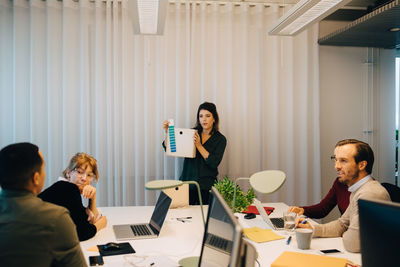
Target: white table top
(178, 240)
(269, 251)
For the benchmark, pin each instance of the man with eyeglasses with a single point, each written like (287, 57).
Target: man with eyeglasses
(32, 232)
(67, 191)
(353, 162)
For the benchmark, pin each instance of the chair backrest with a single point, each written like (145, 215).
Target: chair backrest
(267, 181)
(179, 196)
(394, 191)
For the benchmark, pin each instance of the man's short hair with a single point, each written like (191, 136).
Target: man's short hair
(18, 163)
(364, 152)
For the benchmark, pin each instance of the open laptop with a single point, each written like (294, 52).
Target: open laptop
(222, 238)
(275, 223)
(145, 230)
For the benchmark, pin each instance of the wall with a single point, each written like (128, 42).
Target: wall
(342, 73)
(386, 115)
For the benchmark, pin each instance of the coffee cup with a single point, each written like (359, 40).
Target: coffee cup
(303, 237)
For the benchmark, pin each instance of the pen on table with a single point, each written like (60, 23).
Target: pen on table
(183, 218)
(288, 240)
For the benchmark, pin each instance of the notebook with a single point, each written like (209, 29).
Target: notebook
(297, 259)
(180, 142)
(275, 223)
(145, 230)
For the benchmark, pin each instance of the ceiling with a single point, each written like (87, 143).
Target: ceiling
(369, 24)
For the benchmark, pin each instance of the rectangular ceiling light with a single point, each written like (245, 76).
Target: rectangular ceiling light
(303, 14)
(148, 16)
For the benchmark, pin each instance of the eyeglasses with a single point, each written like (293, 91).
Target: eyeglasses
(81, 173)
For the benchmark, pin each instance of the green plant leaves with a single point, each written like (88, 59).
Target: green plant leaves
(226, 189)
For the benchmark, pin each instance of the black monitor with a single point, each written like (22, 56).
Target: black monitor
(379, 233)
(222, 236)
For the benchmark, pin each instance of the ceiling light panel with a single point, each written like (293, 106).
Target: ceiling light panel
(304, 14)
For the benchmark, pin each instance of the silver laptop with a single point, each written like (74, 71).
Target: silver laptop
(145, 230)
(275, 223)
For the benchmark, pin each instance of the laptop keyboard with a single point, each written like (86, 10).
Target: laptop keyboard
(278, 222)
(219, 242)
(140, 230)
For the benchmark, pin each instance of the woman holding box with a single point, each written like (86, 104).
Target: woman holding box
(210, 146)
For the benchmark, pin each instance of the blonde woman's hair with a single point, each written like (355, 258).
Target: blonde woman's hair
(79, 160)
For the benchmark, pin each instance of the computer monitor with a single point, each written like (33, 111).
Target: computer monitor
(379, 233)
(222, 236)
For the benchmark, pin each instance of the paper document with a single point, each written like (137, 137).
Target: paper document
(261, 235)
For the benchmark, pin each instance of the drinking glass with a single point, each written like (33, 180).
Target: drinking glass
(289, 219)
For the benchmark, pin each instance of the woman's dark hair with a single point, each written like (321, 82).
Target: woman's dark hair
(364, 152)
(18, 163)
(211, 108)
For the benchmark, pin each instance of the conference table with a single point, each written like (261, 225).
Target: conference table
(182, 233)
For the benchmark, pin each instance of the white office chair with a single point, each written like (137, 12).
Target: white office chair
(267, 182)
(179, 196)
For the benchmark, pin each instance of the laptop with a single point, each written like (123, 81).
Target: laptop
(275, 223)
(145, 230)
(222, 238)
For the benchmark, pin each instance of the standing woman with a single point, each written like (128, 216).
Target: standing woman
(210, 146)
(67, 191)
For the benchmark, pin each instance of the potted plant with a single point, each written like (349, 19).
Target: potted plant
(226, 187)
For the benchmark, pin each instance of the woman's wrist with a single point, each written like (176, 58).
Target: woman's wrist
(99, 215)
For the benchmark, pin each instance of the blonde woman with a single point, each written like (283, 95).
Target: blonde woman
(67, 191)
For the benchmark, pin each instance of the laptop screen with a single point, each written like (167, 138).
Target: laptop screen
(160, 212)
(222, 236)
(379, 232)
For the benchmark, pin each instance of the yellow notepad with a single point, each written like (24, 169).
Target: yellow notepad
(297, 259)
(93, 249)
(261, 235)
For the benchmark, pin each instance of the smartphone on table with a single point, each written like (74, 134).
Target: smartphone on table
(332, 250)
(96, 260)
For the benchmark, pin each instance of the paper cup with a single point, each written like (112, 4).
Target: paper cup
(303, 237)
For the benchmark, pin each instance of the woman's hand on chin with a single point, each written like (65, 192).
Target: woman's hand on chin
(89, 192)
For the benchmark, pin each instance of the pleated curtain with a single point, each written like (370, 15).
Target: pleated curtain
(74, 78)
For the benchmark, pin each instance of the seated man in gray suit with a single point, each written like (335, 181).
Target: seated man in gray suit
(32, 232)
(353, 162)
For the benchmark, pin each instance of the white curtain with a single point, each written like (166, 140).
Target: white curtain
(73, 77)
